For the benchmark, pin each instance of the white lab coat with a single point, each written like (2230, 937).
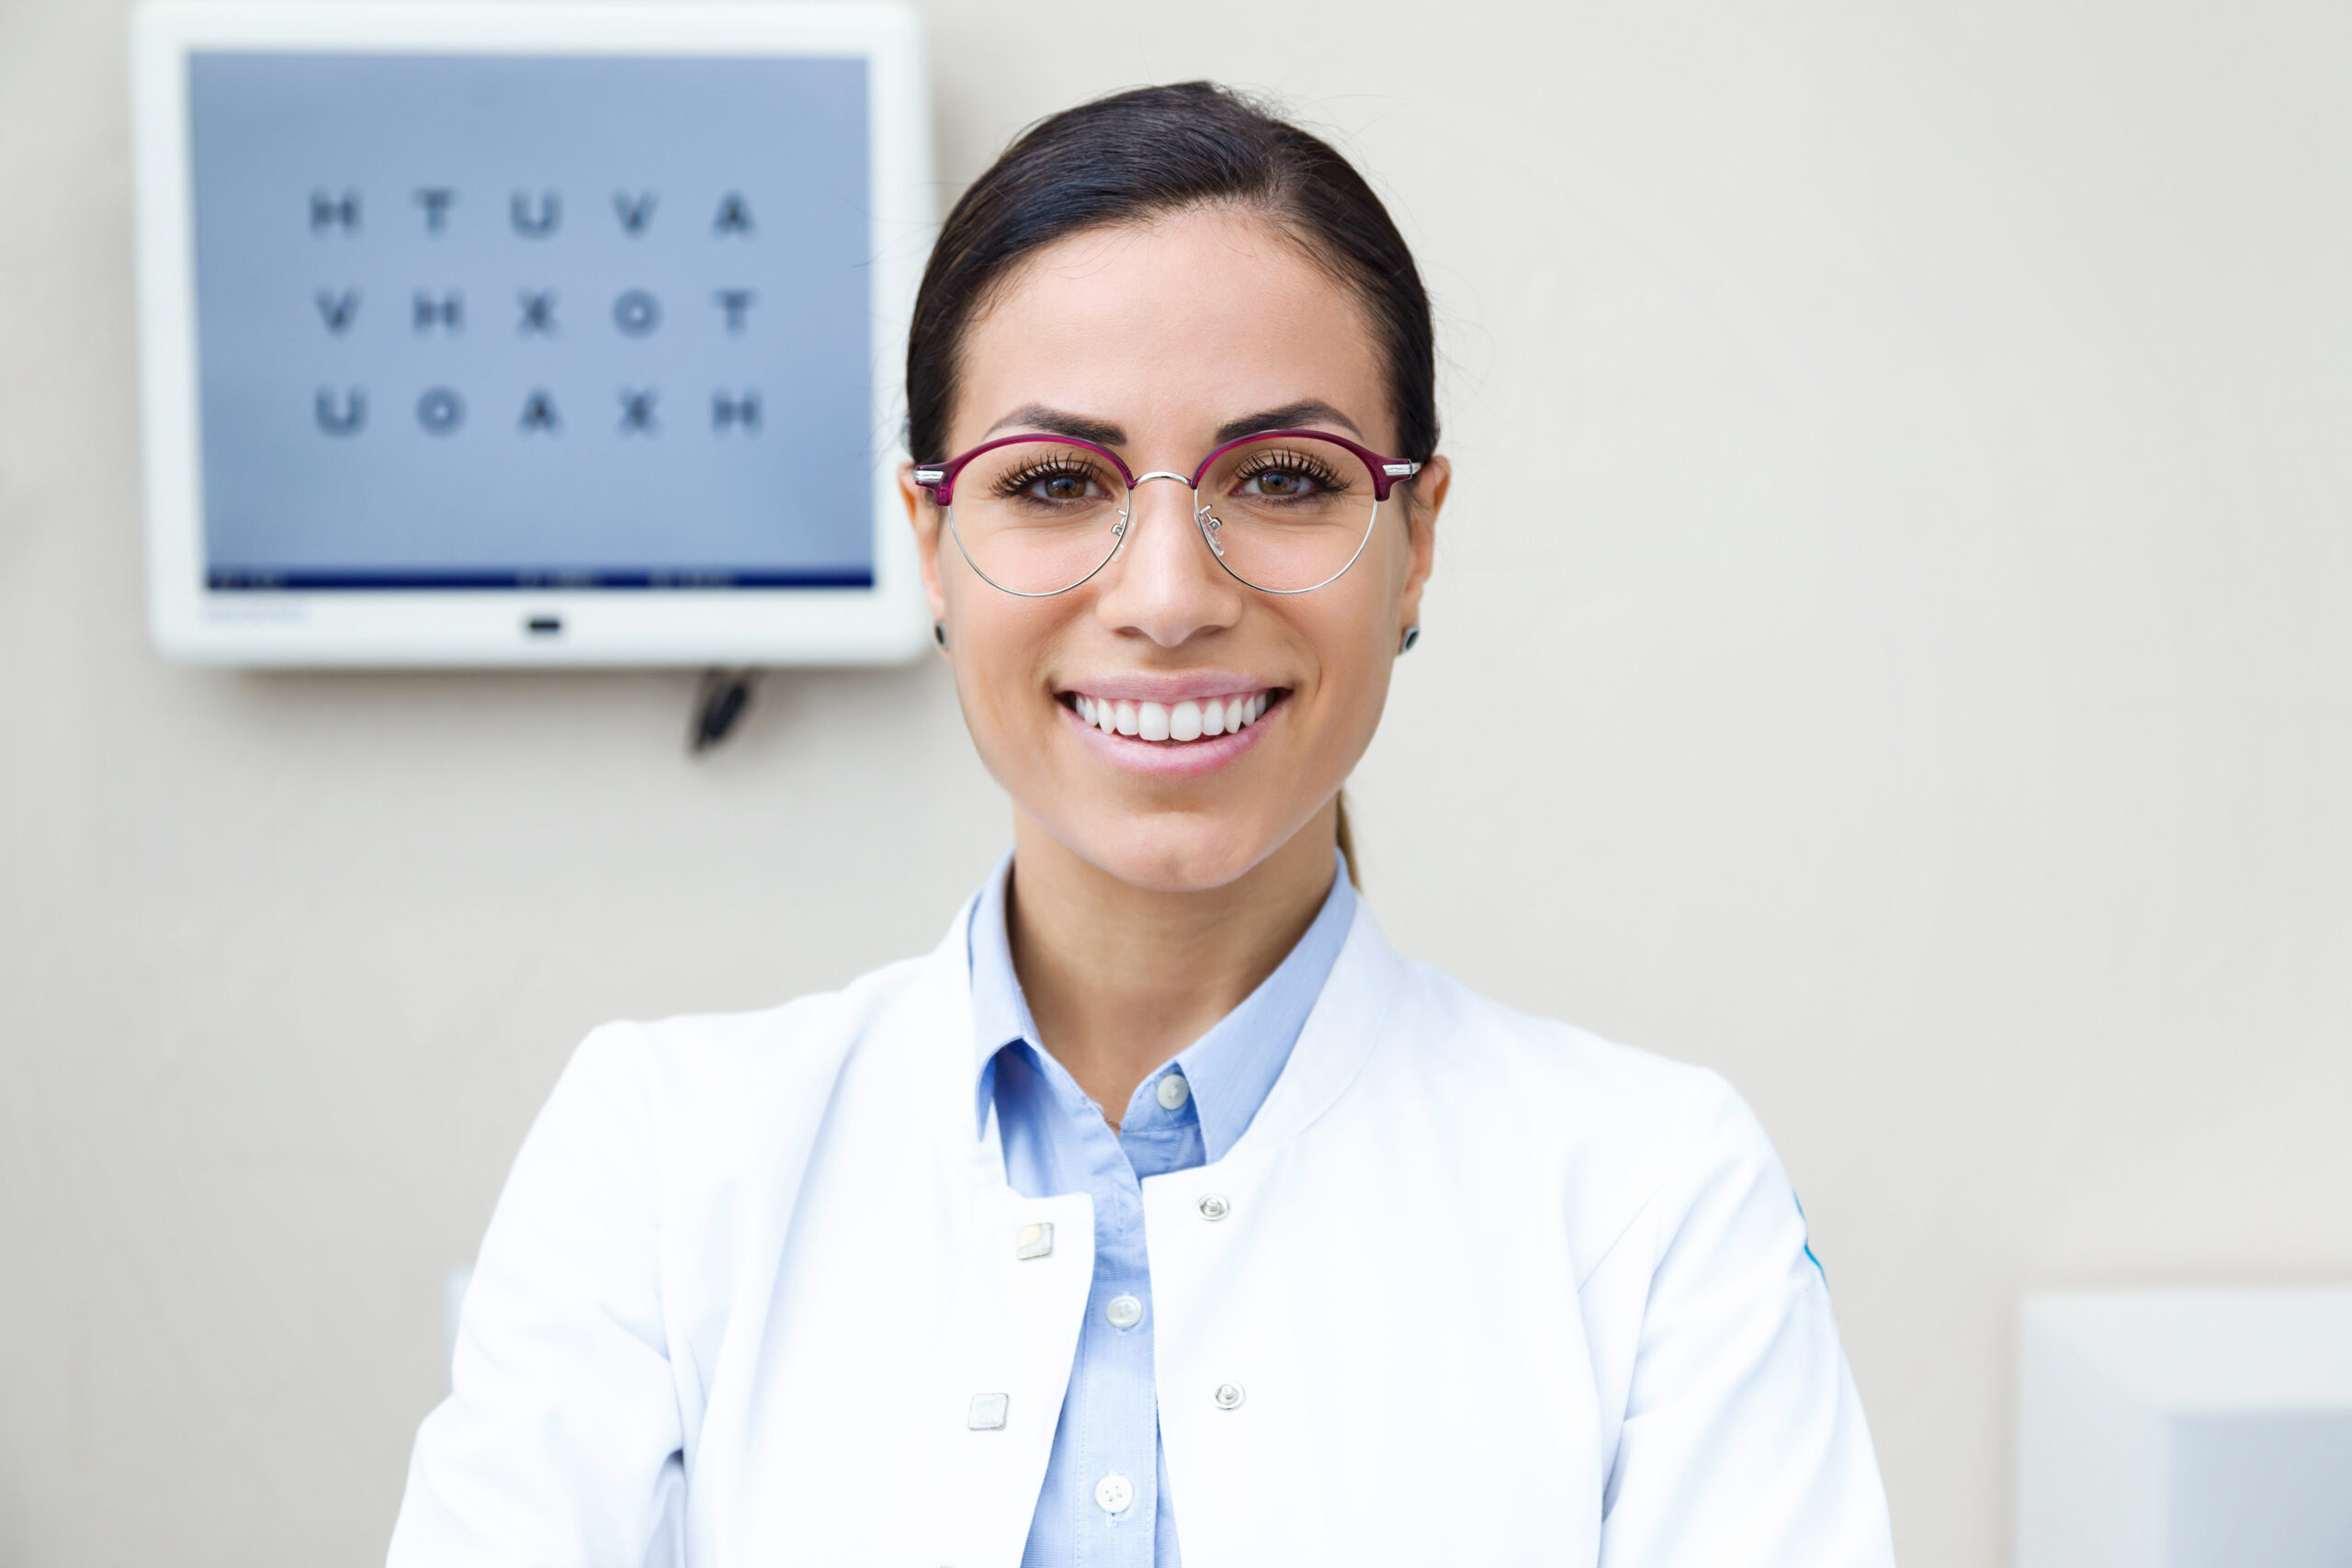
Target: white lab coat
(1491, 1291)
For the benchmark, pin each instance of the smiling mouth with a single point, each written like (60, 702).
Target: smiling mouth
(1174, 724)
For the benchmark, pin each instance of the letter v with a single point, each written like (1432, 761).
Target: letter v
(337, 312)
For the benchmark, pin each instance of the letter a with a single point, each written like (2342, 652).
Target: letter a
(734, 216)
(539, 414)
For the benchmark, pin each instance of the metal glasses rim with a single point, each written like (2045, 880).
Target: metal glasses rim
(1126, 519)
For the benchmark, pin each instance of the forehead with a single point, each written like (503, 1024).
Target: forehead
(1171, 327)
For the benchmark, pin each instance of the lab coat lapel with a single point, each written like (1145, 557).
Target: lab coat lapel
(914, 1241)
(1026, 1269)
(1356, 1006)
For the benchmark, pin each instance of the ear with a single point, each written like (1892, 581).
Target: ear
(1424, 498)
(923, 516)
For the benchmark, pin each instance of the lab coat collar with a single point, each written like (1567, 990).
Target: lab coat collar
(1351, 1015)
(1229, 1069)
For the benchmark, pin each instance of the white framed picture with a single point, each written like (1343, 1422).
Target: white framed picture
(527, 333)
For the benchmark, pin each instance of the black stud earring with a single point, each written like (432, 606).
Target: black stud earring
(939, 633)
(1412, 636)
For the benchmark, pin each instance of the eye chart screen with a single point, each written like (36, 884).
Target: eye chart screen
(501, 322)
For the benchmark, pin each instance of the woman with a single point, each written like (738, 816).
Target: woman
(1162, 1207)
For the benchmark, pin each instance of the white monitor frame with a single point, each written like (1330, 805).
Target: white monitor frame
(706, 626)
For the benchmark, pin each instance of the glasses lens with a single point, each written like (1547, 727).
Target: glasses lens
(1287, 512)
(1038, 516)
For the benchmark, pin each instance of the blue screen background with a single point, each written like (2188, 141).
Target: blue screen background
(353, 438)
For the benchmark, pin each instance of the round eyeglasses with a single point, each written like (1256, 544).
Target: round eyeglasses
(1284, 511)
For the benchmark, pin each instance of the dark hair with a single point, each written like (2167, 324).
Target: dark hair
(1141, 153)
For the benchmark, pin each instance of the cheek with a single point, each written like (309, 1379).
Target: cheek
(998, 644)
(1356, 655)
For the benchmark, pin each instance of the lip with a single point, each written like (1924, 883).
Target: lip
(1168, 688)
(1155, 759)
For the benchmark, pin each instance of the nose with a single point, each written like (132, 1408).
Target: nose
(1165, 584)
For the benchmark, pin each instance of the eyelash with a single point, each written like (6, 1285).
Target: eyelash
(1015, 483)
(1289, 462)
(1297, 463)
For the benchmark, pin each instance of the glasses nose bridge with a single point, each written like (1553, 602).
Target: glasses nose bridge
(1134, 497)
(1193, 513)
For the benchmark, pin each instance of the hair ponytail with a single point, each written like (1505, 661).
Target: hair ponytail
(1348, 841)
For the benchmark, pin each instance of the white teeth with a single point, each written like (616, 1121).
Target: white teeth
(1179, 722)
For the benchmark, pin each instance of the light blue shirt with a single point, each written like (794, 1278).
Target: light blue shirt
(1056, 1142)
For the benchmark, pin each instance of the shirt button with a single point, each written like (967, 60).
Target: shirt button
(1174, 1091)
(1115, 1493)
(1125, 1311)
(1228, 1396)
(1214, 1207)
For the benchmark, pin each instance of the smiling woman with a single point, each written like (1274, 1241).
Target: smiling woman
(1162, 1199)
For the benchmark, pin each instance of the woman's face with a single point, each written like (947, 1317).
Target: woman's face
(1157, 338)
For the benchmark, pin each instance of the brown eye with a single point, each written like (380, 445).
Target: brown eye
(1281, 481)
(1065, 487)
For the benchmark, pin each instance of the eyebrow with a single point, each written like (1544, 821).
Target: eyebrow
(1055, 421)
(1290, 416)
(1102, 433)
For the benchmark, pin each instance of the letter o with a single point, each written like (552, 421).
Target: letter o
(637, 312)
(440, 410)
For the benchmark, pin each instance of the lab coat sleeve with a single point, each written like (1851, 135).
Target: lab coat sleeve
(1743, 1442)
(559, 1441)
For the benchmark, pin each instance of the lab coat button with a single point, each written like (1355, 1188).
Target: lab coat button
(987, 1414)
(1115, 1493)
(1034, 1241)
(1214, 1207)
(1229, 1395)
(1125, 1311)
(1174, 1091)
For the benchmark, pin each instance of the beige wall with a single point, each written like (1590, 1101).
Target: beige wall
(1891, 645)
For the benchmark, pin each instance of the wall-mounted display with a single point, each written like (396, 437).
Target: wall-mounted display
(521, 333)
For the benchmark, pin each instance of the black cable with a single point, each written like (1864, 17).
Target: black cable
(718, 703)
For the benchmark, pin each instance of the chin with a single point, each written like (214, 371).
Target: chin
(1175, 852)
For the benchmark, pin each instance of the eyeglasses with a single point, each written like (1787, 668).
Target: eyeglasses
(1284, 511)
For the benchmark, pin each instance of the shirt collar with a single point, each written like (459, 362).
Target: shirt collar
(1230, 1069)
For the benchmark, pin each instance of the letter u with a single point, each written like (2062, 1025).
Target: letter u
(348, 422)
(539, 227)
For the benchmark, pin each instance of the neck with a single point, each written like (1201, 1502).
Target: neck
(1120, 978)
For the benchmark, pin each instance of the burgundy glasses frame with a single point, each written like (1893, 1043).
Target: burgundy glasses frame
(938, 480)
